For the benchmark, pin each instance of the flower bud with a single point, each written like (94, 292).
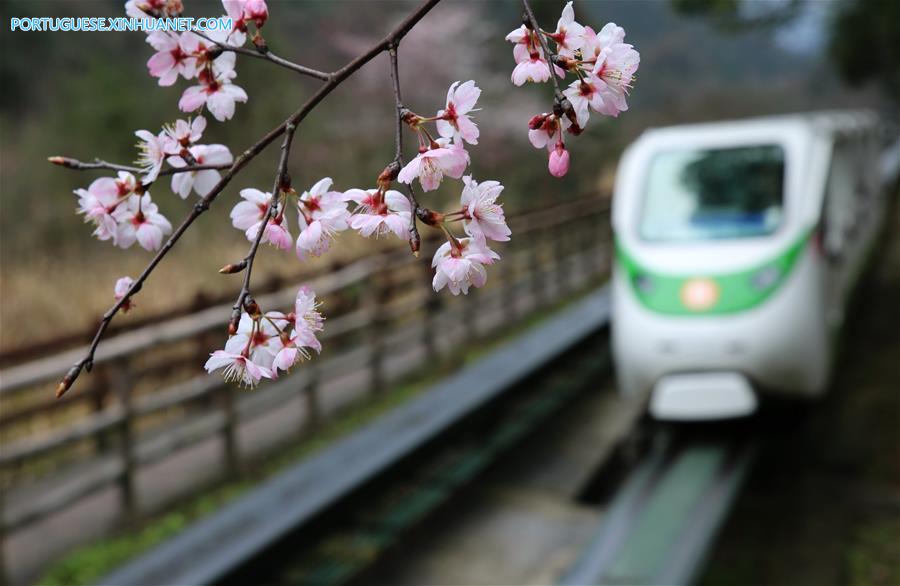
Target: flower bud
(574, 129)
(252, 307)
(387, 176)
(537, 121)
(415, 242)
(429, 217)
(564, 62)
(257, 11)
(232, 268)
(260, 43)
(559, 161)
(64, 162)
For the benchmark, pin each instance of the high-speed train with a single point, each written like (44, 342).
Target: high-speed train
(737, 245)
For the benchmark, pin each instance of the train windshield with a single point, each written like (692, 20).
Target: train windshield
(714, 194)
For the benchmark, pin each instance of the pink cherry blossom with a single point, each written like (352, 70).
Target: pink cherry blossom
(153, 8)
(250, 211)
(455, 122)
(203, 181)
(306, 321)
(432, 164)
(609, 35)
(482, 216)
(171, 59)
(257, 11)
(139, 220)
(523, 41)
(260, 338)
(216, 91)
(243, 11)
(153, 150)
(248, 215)
(533, 69)
(101, 199)
(235, 10)
(321, 215)
(583, 94)
(306, 316)
(569, 35)
(544, 130)
(614, 65)
(235, 359)
(121, 289)
(529, 56)
(290, 354)
(559, 160)
(460, 264)
(615, 68)
(379, 214)
(184, 133)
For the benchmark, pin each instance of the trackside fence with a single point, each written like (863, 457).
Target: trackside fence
(147, 399)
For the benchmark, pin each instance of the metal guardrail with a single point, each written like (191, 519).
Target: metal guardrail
(213, 547)
(148, 403)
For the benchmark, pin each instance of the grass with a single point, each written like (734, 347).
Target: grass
(873, 558)
(89, 563)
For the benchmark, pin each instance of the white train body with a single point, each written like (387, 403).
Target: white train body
(737, 246)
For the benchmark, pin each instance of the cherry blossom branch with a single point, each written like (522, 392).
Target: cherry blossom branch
(551, 57)
(415, 240)
(336, 78)
(282, 182)
(262, 52)
(77, 165)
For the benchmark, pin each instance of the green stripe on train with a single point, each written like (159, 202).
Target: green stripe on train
(734, 292)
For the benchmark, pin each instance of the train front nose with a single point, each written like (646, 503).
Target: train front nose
(701, 396)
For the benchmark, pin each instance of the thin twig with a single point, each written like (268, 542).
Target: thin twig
(281, 180)
(414, 239)
(269, 56)
(201, 206)
(77, 165)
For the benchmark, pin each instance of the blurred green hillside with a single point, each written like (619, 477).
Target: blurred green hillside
(84, 94)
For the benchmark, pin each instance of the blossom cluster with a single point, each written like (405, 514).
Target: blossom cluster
(603, 64)
(201, 58)
(266, 343)
(122, 211)
(322, 212)
(121, 207)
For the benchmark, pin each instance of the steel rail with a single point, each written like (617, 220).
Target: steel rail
(662, 523)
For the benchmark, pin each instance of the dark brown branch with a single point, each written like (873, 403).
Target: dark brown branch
(282, 182)
(70, 163)
(415, 240)
(335, 80)
(269, 56)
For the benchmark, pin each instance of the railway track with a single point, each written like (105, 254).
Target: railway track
(342, 518)
(664, 519)
(375, 521)
(320, 491)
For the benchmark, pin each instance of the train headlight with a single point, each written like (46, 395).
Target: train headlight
(699, 294)
(765, 278)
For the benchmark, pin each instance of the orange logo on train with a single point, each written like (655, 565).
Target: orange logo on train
(699, 294)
